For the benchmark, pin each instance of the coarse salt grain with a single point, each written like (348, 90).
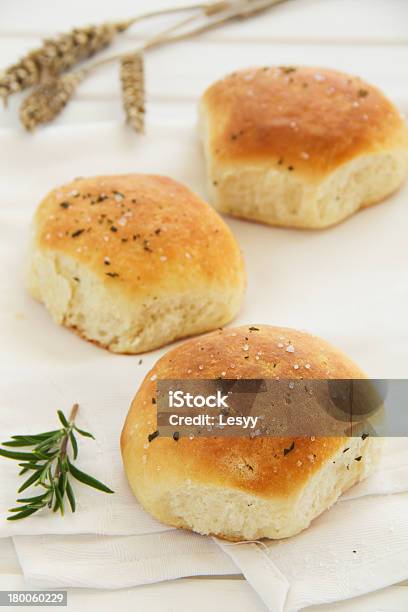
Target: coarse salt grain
(106, 260)
(304, 155)
(280, 345)
(245, 347)
(163, 258)
(154, 377)
(319, 77)
(122, 221)
(290, 348)
(201, 367)
(296, 366)
(106, 238)
(307, 366)
(188, 255)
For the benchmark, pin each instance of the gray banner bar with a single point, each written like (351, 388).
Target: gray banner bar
(281, 408)
(33, 598)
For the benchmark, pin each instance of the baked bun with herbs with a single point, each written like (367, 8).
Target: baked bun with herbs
(133, 262)
(300, 146)
(242, 488)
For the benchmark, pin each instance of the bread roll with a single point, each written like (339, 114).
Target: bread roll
(133, 262)
(242, 488)
(300, 146)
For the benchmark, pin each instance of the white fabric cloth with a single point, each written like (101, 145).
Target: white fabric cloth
(108, 543)
(90, 548)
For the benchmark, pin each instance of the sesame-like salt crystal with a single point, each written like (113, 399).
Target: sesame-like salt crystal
(245, 347)
(296, 366)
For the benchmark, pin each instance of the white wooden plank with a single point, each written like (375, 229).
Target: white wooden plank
(324, 20)
(173, 73)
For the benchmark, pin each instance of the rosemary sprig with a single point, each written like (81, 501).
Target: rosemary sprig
(50, 467)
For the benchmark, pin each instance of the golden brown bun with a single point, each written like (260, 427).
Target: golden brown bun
(300, 146)
(241, 488)
(133, 262)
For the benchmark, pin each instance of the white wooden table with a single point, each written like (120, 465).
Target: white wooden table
(366, 37)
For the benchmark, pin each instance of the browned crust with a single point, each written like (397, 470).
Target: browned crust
(304, 119)
(155, 233)
(268, 471)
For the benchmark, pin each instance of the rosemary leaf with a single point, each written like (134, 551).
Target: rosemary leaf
(81, 432)
(87, 479)
(17, 455)
(62, 418)
(21, 515)
(32, 500)
(31, 480)
(71, 496)
(73, 444)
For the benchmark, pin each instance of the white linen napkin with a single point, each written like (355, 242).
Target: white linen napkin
(52, 553)
(45, 367)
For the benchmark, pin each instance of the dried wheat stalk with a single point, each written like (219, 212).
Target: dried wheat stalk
(48, 100)
(133, 91)
(57, 55)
